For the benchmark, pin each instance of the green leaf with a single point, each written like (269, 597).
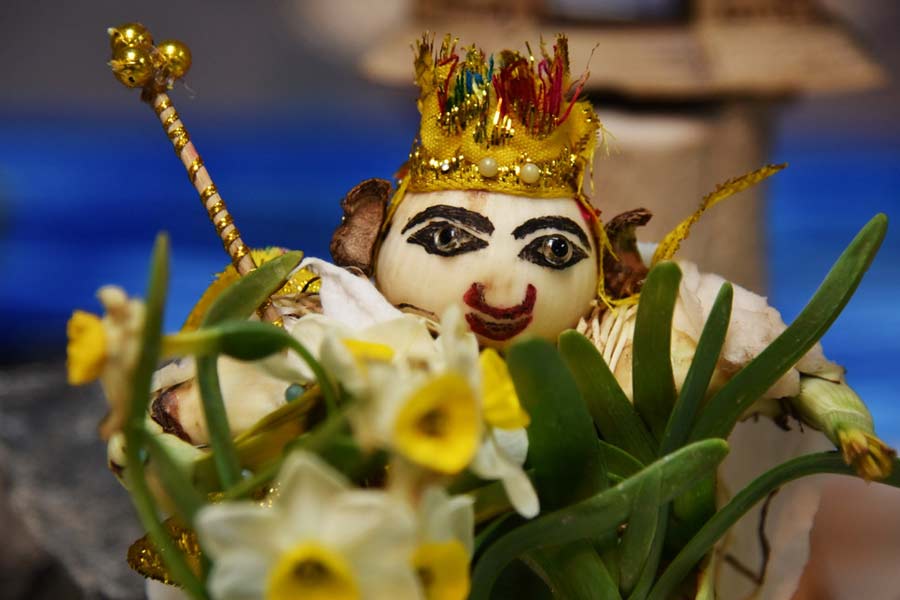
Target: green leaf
(250, 340)
(759, 488)
(489, 501)
(726, 407)
(638, 536)
(135, 477)
(599, 515)
(693, 391)
(494, 530)
(177, 483)
(610, 408)
(654, 384)
(520, 582)
(244, 296)
(618, 462)
(648, 573)
(573, 572)
(610, 556)
(151, 336)
(562, 443)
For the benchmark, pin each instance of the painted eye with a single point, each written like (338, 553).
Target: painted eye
(553, 251)
(446, 239)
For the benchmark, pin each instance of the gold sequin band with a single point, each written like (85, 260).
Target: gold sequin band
(229, 237)
(557, 177)
(266, 306)
(180, 143)
(171, 119)
(241, 251)
(217, 207)
(195, 168)
(222, 223)
(144, 558)
(180, 139)
(207, 193)
(162, 106)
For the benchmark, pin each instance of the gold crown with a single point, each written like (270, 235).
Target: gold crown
(508, 123)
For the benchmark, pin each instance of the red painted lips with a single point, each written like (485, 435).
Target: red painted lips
(505, 322)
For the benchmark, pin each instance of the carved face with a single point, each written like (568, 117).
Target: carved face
(514, 266)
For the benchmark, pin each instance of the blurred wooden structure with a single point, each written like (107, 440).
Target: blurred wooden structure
(687, 87)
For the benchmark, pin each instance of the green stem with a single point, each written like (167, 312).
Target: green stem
(200, 341)
(146, 508)
(314, 441)
(135, 476)
(325, 383)
(224, 453)
(703, 365)
(751, 382)
(177, 485)
(598, 515)
(762, 486)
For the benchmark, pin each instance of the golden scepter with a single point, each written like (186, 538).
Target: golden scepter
(138, 63)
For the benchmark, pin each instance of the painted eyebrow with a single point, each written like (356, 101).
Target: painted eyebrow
(561, 223)
(472, 219)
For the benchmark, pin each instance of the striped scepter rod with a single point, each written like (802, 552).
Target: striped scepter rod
(138, 63)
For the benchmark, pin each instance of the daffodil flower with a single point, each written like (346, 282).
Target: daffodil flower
(505, 446)
(439, 404)
(445, 543)
(107, 348)
(321, 539)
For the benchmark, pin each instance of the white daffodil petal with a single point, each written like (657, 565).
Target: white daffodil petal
(338, 360)
(350, 300)
(239, 575)
(513, 443)
(492, 462)
(157, 590)
(396, 582)
(459, 346)
(377, 533)
(227, 525)
(407, 336)
(371, 524)
(306, 486)
(443, 518)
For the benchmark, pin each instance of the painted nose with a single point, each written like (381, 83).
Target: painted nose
(475, 298)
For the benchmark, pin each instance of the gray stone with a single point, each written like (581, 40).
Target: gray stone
(66, 522)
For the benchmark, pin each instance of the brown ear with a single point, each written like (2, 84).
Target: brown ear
(624, 274)
(354, 241)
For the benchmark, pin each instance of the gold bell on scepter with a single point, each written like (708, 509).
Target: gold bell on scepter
(176, 58)
(129, 35)
(137, 63)
(133, 66)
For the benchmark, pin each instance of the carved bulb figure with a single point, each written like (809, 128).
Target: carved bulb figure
(514, 266)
